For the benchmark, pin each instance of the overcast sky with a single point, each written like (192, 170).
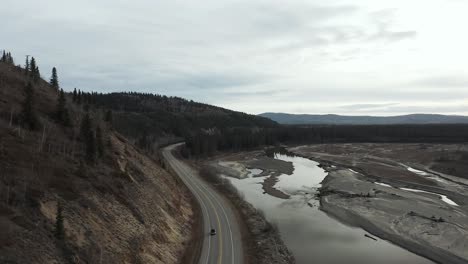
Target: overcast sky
(336, 56)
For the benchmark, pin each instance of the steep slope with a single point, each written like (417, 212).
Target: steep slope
(292, 119)
(120, 208)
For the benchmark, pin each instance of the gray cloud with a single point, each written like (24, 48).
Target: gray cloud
(454, 81)
(265, 53)
(219, 81)
(367, 107)
(383, 20)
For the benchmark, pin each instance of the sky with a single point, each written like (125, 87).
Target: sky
(361, 57)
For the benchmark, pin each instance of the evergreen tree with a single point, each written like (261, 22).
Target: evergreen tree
(75, 95)
(32, 66)
(33, 70)
(59, 231)
(99, 141)
(3, 57)
(37, 74)
(28, 116)
(61, 113)
(87, 136)
(78, 97)
(26, 66)
(54, 79)
(10, 59)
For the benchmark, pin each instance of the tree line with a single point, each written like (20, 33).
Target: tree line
(207, 142)
(91, 132)
(7, 58)
(147, 119)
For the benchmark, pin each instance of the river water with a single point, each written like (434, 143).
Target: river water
(311, 235)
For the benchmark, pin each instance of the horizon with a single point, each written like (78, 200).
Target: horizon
(344, 115)
(371, 58)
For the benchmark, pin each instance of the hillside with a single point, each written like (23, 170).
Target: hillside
(63, 200)
(293, 119)
(151, 120)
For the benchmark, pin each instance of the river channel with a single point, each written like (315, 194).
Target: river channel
(312, 235)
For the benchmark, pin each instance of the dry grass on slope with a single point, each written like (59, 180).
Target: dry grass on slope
(132, 212)
(124, 208)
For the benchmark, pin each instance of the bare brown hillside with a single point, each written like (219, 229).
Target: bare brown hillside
(121, 208)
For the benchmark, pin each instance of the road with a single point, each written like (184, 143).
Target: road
(226, 246)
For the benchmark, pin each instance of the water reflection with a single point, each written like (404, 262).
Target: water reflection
(309, 233)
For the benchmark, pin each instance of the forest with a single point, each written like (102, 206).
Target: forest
(204, 143)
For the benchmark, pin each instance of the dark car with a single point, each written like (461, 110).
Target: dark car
(212, 232)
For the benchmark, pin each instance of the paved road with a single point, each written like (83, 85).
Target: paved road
(225, 247)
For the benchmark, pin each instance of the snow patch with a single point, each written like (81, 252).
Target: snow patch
(383, 184)
(442, 197)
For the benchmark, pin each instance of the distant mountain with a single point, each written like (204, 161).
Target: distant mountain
(291, 119)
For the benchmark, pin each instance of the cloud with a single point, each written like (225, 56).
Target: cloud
(383, 21)
(441, 82)
(251, 55)
(368, 107)
(210, 81)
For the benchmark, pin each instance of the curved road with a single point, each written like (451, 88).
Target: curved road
(225, 247)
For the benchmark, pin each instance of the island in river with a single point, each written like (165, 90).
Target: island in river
(397, 198)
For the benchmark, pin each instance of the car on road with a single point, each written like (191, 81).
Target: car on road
(212, 232)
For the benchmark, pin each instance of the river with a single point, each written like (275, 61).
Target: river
(311, 235)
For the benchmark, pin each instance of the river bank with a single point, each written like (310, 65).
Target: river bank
(310, 233)
(374, 195)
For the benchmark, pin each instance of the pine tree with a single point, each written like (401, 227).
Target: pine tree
(37, 74)
(87, 136)
(59, 230)
(32, 68)
(3, 57)
(54, 79)
(99, 142)
(78, 97)
(26, 66)
(10, 59)
(61, 113)
(28, 116)
(75, 95)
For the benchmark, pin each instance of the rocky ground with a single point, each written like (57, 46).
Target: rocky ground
(364, 188)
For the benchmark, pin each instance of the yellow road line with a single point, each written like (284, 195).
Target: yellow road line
(220, 257)
(196, 184)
